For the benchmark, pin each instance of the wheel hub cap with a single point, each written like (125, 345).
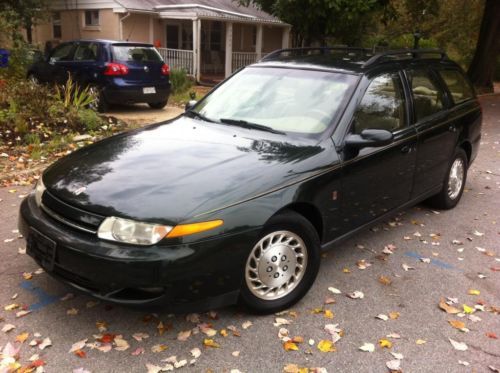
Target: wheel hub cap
(276, 265)
(456, 178)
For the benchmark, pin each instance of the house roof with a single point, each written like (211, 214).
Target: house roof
(226, 9)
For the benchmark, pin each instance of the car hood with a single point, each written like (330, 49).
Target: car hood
(172, 171)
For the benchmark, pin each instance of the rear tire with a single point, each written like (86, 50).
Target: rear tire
(282, 265)
(158, 105)
(100, 104)
(454, 183)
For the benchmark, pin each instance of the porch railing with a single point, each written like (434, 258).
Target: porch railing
(178, 59)
(241, 59)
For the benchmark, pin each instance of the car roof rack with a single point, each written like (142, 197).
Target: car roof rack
(373, 55)
(307, 51)
(405, 54)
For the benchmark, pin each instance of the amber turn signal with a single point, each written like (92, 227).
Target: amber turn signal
(187, 229)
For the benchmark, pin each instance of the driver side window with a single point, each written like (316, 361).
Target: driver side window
(383, 105)
(62, 53)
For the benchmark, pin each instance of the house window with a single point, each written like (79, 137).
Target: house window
(56, 25)
(91, 18)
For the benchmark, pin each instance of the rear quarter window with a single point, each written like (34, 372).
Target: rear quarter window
(135, 53)
(458, 85)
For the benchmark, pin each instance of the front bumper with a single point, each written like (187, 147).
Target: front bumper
(178, 278)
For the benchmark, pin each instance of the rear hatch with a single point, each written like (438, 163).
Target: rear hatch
(143, 61)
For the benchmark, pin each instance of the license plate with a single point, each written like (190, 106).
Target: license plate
(42, 248)
(148, 90)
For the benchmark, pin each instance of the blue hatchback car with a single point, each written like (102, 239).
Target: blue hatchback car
(118, 72)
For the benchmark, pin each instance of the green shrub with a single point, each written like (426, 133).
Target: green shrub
(73, 96)
(179, 81)
(90, 119)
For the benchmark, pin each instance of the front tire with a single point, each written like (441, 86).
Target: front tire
(158, 105)
(454, 183)
(282, 265)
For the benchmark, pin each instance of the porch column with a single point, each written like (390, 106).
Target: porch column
(285, 41)
(229, 48)
(258, 42)
(196, 48)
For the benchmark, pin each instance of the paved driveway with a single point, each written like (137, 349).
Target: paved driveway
(419, 330)
(141, 114)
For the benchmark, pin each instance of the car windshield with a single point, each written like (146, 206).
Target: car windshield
(283, 100)
(135, 53)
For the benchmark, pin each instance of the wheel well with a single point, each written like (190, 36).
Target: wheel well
(311, 213)
(467, 147)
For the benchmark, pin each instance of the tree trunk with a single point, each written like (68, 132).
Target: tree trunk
(28, 25)
(482, 67)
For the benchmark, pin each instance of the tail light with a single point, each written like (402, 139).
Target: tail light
(115, 69)
(165, 69)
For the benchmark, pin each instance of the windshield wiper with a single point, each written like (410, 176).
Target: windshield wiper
(245, 124)
(195, 114)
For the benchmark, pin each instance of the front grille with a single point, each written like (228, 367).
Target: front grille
(70, 216)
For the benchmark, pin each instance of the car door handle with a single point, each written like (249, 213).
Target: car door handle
(406, 149)
(452, 128)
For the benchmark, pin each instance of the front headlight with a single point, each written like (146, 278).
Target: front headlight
(39, 189)
(129, 231)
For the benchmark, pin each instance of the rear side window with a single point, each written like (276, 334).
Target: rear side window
(62, 53)
(134, 53)
(382, 106)
(458, 86)
(427, 96)
(86, 52)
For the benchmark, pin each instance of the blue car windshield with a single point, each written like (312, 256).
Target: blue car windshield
(298, 101)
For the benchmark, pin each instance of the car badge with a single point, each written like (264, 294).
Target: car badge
(146, 69)
(80, 191)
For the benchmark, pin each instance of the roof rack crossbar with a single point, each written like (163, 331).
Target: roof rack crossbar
(401, 52)
(278, 53)
(374, 56)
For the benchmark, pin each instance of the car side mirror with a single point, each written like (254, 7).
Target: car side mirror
(191, 104)
(369, 138)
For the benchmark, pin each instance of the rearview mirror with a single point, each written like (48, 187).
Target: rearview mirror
(369, 138)
(190, 104)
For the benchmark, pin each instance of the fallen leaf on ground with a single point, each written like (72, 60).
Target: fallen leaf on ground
(394, 315)
(384, 343)
(72, 312)
(447, 308)
(8, 327)
(290, 346)
(183, 335)
(196, 352)
(457, 324)
(21, 338)
(384, 280)
(328, 314)
(235, 353)
(467, 309)
(22, 313)
(334, 290)
(406, 267)
(474, 292)
(464, 363)
(78, 345)
(393, 365)
(420, 341)
(326, 346)
(356, 295)
(425, 260)
(281, 321)
(210, 343)
(159, 348)
(367, 347)
(491, 335)
(246, 324)
(138, 351)
(397, 355)
(383, 317)
(139, 337)
(80, 353)
(460, 346)
(121, 344)
(45, 343)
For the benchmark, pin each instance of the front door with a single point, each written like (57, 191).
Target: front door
(377, 180)
(55, 68)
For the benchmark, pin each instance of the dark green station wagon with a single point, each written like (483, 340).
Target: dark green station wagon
(235, 199)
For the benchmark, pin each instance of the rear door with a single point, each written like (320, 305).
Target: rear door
(143, 61)
(377, 180)
(55, 68)
(437, 133)
(85, 62)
